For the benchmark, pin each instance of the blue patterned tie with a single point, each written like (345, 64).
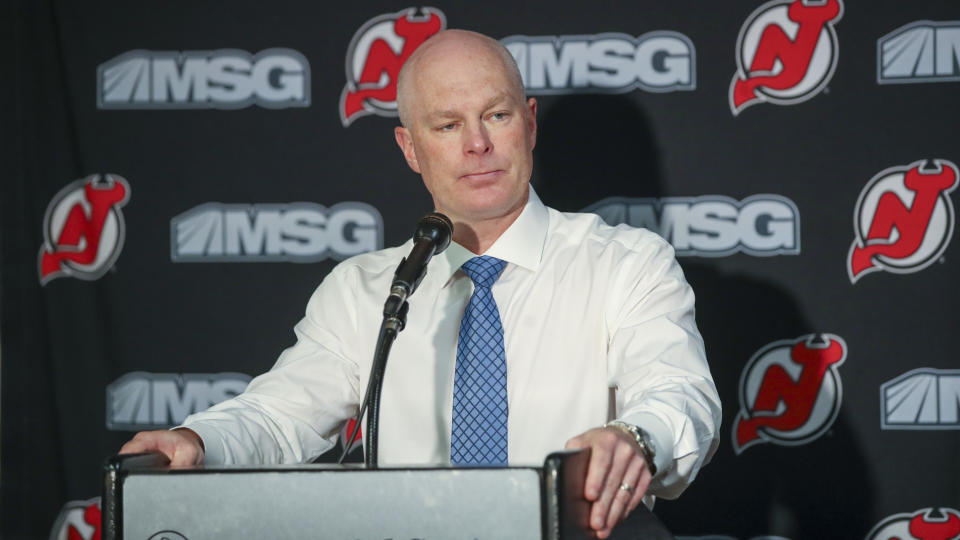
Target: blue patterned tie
(479, 431)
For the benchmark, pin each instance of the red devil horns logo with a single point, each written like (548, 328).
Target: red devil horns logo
(790, 392)
(924, 524)
(786, 52)
(83, 228)
(904, 219)
(376, 54)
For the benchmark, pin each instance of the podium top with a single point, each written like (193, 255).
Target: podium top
(143, 496)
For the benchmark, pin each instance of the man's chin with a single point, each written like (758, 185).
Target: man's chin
(477, 213)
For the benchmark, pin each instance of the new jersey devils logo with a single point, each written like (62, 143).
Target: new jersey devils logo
(904, 219)
(83, 228)
(786, 52)
(925, 524)
(78, 520)
(790, 391)
(376, 54)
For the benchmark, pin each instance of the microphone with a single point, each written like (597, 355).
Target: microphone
(432, 236)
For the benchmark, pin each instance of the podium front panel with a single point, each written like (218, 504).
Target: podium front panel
(318, 502)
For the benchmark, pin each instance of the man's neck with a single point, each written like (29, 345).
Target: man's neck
(478, 236)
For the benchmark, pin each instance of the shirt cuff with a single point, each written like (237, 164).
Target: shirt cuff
(660, 437)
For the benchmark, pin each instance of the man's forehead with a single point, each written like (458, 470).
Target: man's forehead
(453, 43)
(442, 59)
(458, 70)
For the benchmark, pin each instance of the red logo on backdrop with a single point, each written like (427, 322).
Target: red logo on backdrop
(78, 520)
(786, 52)
(790, 392)
(83, 228)
(925, 524)
(904, 219)
(376, 54)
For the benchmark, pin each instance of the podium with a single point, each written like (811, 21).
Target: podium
(145, 499)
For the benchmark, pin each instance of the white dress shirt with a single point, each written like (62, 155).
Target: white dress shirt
(585, 308)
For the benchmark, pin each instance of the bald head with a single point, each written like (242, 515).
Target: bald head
(453, 45)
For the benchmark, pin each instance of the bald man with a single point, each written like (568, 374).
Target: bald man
(586, 310)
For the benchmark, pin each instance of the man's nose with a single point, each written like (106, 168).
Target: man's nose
(477, 140)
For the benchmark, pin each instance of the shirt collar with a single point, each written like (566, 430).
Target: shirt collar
(521, 244)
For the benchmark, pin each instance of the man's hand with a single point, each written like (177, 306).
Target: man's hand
(182, 446)
(615, 460)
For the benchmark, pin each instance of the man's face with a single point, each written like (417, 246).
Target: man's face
(470, 135)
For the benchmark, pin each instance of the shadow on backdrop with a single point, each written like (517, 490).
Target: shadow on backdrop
(592, 147)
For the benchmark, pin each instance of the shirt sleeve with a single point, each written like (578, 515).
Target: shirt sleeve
(658, 364)
(292, 413)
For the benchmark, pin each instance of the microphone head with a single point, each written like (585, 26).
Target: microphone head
(435, 227)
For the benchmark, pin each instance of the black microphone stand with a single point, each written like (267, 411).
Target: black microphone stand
(438, 229)
(391, 326)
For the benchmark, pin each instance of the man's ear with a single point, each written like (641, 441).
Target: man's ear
(532, 121)
(405, 142)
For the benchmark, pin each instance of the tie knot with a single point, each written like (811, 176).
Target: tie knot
(484, 270)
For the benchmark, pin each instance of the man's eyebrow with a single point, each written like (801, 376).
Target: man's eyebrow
(438, 115)
(502, 96)
(450, 113)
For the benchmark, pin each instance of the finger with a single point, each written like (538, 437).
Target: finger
(621, 454)
(643, 483)
(141, 442)
(614, 498)
(600, 459)
(623, 498)
(576, 442)
(183, 455)
(132, 447)
(178, 448)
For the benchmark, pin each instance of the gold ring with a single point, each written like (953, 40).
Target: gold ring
(626, 487)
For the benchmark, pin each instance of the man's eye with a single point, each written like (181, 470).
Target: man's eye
(499, 115)
(448, 127)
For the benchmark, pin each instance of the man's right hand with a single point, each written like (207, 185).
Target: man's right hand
(182, 446)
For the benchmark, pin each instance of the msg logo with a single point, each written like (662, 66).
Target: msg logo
(142, 400)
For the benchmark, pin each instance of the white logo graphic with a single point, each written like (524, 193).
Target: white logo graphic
(220, 79)
(922, 51)
(141, 400)
(922, 398)
(660, 61)
(295, 232)
(712, 225)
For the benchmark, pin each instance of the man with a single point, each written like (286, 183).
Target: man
(584, 308)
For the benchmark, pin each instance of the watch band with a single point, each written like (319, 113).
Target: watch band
(640, 436)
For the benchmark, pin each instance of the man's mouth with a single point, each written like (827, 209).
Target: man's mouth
(482, 175)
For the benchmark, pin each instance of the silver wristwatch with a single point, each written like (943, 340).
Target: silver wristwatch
(643, 441)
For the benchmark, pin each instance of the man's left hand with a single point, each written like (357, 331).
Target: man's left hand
(615, 461)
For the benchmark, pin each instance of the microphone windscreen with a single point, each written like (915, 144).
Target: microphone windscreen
(436, 227)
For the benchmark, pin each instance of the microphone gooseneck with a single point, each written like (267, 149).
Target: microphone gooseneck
(432, 236)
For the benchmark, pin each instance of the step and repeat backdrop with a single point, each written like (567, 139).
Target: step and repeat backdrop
(182, 176)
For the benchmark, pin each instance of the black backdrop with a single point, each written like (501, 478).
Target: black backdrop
(176, 314)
